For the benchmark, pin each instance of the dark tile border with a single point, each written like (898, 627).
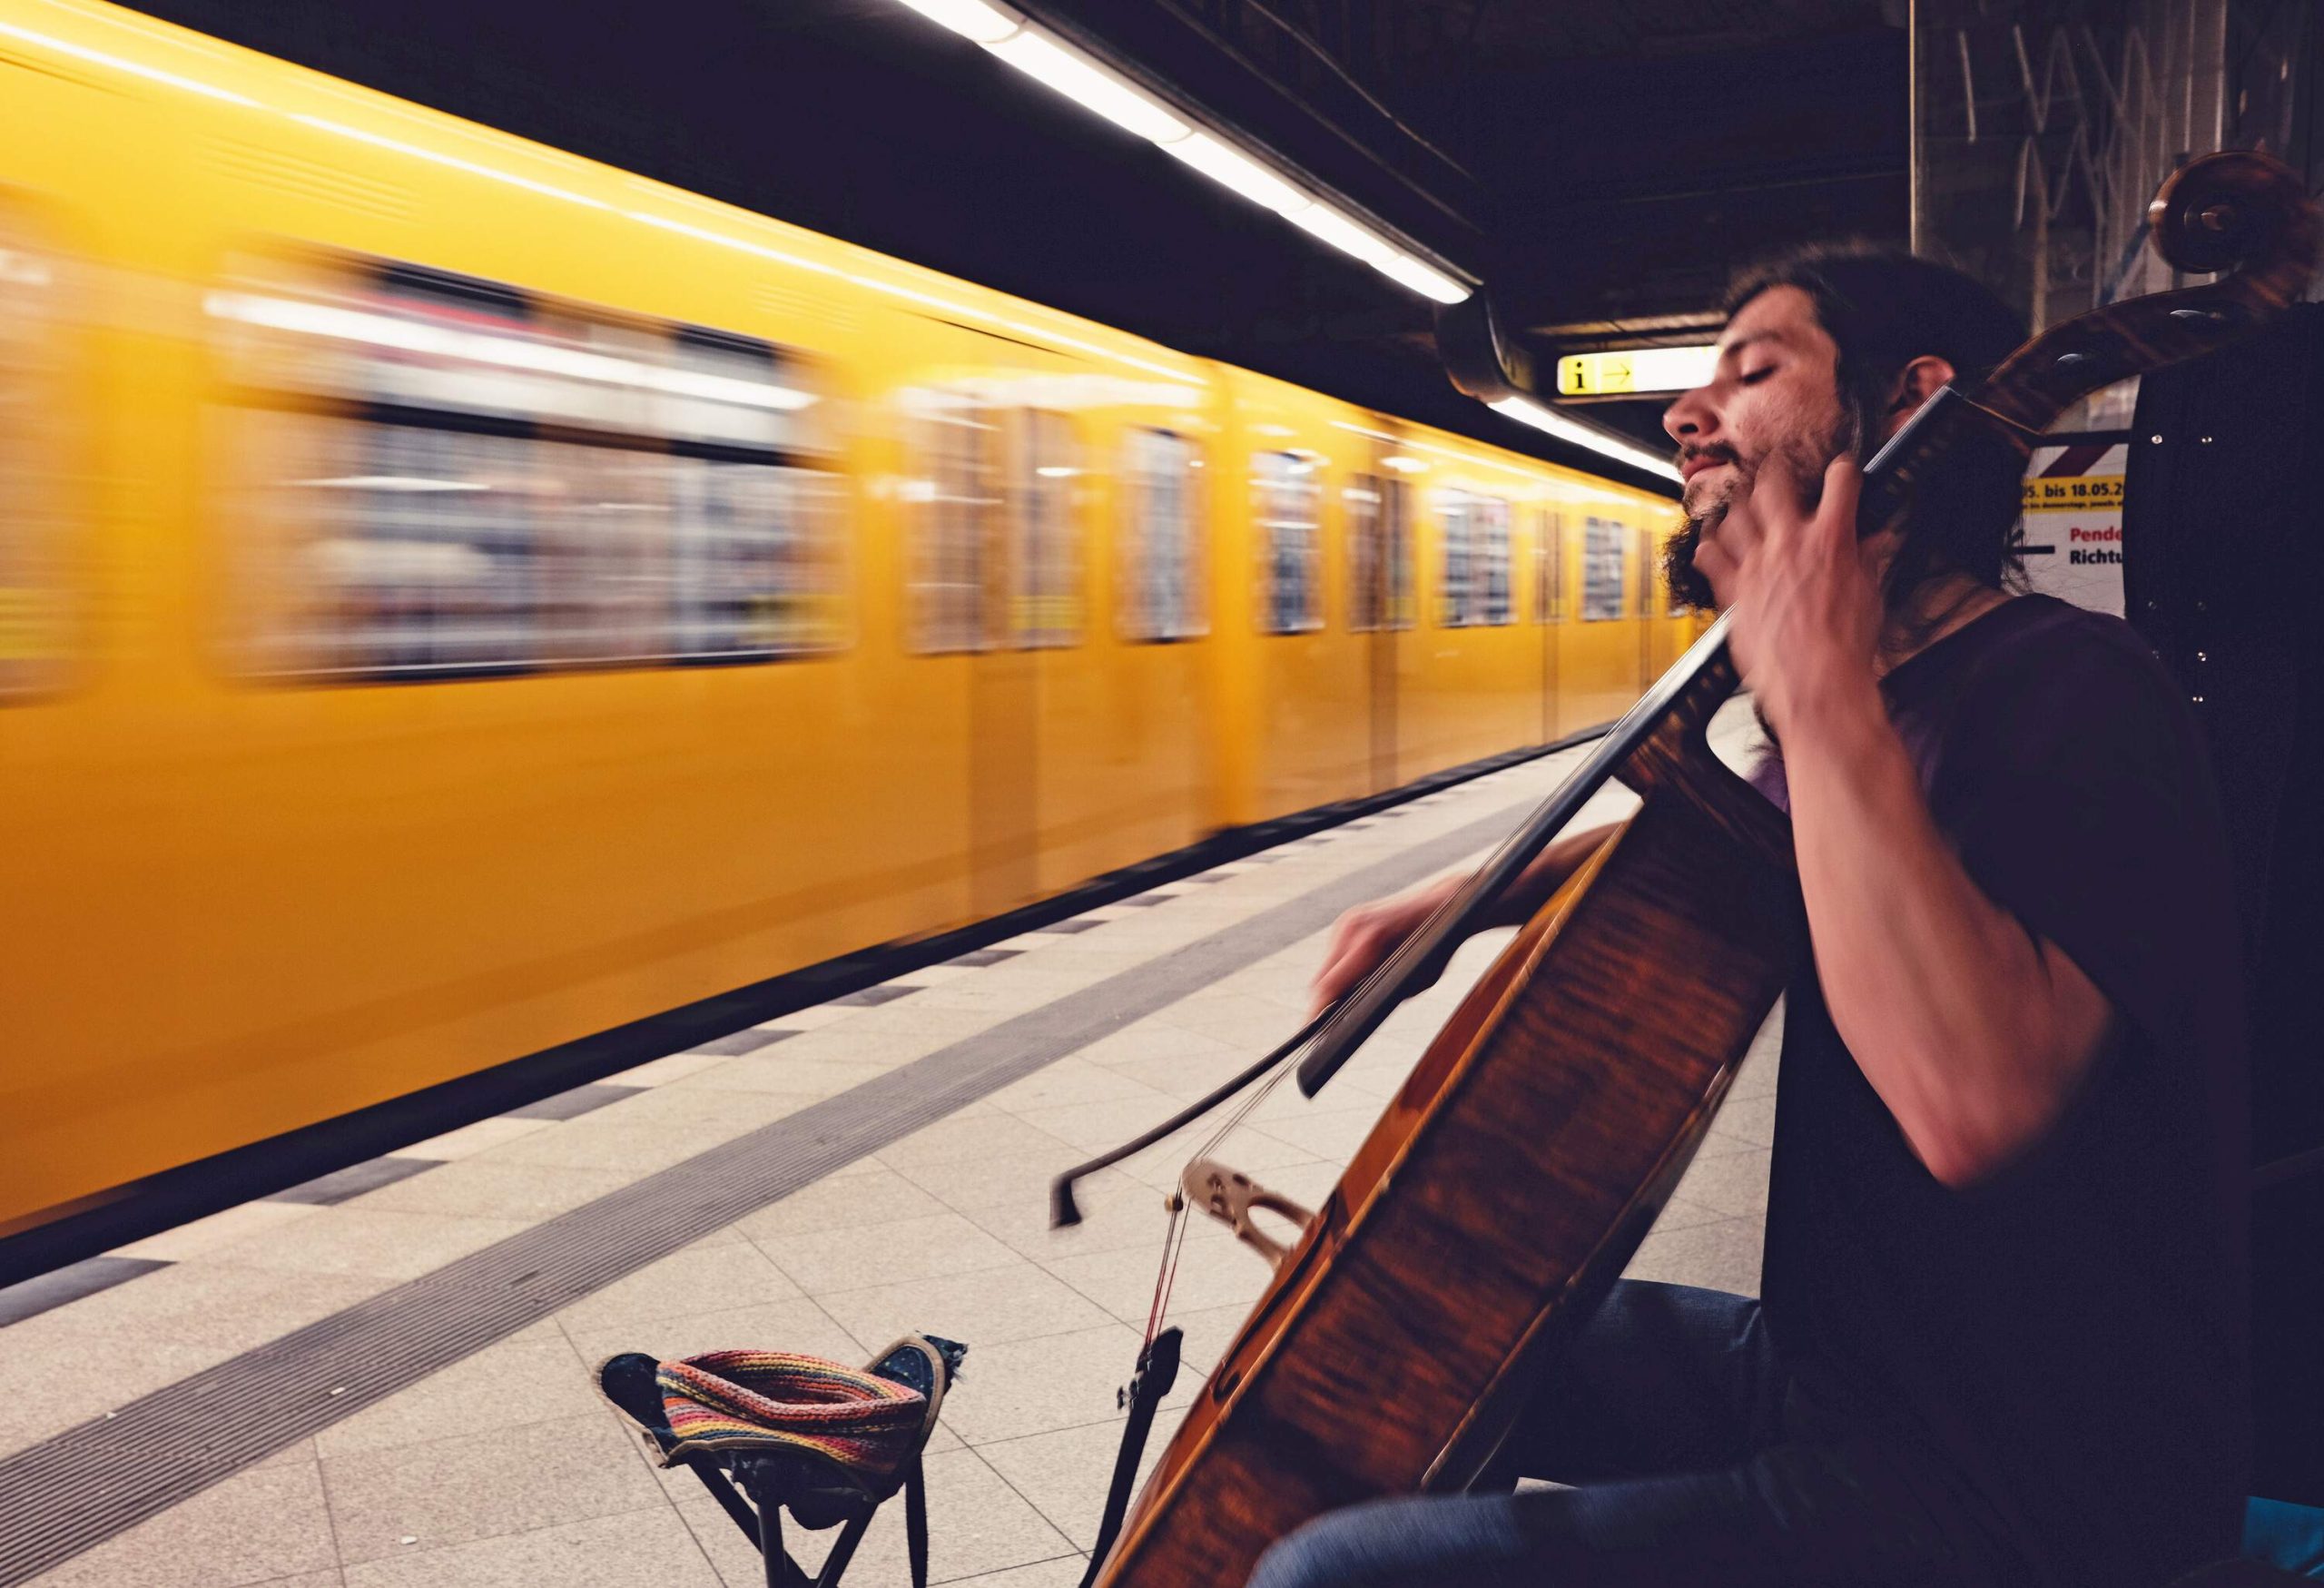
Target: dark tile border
(733, 1042)
(32, 1298)
(325, 1190)
(573, 1103)
(976, 959)
(866, 997)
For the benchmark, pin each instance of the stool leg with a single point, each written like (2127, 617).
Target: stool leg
(779, 1569)
(714, 1479)
(782, 1571)
(844, 1548)
(916, 1523)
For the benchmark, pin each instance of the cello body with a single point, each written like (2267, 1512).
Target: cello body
(1505, 1187)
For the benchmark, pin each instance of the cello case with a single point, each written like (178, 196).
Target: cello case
(2221, 518)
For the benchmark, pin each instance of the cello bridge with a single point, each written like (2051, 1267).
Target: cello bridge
(1229, 1195)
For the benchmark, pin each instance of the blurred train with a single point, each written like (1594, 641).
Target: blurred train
(456, 598)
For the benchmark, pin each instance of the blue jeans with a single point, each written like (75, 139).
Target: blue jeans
(1669, 1412)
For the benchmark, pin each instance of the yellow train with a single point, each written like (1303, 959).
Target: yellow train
(456, 598)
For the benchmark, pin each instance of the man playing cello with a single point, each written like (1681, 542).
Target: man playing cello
(2001, 1334)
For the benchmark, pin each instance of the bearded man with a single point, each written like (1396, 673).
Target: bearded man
(2001, 1338)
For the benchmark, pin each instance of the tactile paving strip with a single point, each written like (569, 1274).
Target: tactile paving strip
(71, 1491)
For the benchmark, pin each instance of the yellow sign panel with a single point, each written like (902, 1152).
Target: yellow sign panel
(2073, 493)
(1635, 369)
(1593, 374)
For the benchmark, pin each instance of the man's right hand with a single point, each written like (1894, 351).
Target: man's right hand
(1369, 933)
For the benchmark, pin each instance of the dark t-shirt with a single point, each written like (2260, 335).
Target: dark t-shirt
(2063, 1337)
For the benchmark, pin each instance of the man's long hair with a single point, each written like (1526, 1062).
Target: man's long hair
(1883, 308)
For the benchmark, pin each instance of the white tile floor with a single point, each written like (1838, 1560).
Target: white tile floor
(506, 1469)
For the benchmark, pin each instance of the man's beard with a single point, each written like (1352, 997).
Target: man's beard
(1806, 465)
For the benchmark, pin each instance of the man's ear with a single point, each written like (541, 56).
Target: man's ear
(1915, 384)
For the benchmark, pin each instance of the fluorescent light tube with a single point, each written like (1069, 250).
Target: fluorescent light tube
(1096, 86)
(1090, 86)
(1327, 224)
(1407, 272)
(1527, 410)
(1231, 169)
(972, 19)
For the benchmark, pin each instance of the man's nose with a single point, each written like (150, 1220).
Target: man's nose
(1691, 418)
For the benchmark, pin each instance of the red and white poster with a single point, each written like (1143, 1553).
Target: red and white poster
(2073, 523)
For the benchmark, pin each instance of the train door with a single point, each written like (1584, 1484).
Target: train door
(1549, 590)
(962, 579)
(1597, 643)
(1379, 561)
(1031, 604)
(1667, 628)
(1145, 721)
(1649, 608)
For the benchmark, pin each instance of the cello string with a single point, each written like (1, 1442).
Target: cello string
(1166, 1277)
(1174, 1239)
(1394, 964)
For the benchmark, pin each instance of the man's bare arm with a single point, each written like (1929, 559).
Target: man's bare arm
(1972, 1030)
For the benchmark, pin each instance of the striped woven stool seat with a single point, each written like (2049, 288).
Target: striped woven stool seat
(824, 1441)
(750, 1400)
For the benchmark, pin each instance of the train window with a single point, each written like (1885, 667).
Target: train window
(1476, 560)
(35, 582)
(1605, 568)
(1046, 556)
(1289, 497)
(1161, 553)
(956, 513)
(757, 567)
(1549, 572)
(440, 476)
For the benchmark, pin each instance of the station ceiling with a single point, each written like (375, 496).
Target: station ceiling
(1603, 167)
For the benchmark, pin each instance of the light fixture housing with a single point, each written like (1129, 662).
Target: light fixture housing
(1092, 83)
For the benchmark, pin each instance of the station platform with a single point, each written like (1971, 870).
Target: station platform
(356, 1383)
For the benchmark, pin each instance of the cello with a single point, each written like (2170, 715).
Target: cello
(1532, 1147)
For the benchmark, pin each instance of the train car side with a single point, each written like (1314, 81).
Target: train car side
(464, 598)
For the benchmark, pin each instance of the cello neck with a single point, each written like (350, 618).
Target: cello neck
(1704, 675)
(1698, 683)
